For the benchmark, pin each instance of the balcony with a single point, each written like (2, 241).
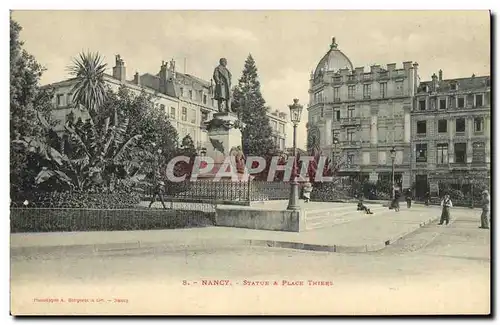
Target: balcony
(337, 80)
(383, 75)
(351, 79)
(336, 100)
(350, 121)
(367, 76)
(459, 166)
(350, 144)
(350, 168)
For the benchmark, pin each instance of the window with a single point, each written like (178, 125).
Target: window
(479, 100)
(421, 105)
(213, 102)
(275, 125)
(460, 125)
(478, 152)
(421, 127)
(59, 99)
(442, 103)
(460, 152)
(442, 153)
(453, 86)
(478, 124)
(350, 159)
(172, 112)
(421, 152)
(336, 94)
(399, 88)
(383, 89)
(282, 144)
(460, 102)
(190, 94)
(351, 111)
(442, 126)
(204, 116)
(470, 100)
(69, 98)
(282, 128)
(351, 92)
(162, 107)
(336, 135)
(350, 135)
(184, 113)
(367, 91)
(322, 112)
(337, 115)
(192, 115)
(205, 99)
(182, 91)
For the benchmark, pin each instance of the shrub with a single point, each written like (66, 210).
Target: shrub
(65, 219)
(329, 192)
(87, 200)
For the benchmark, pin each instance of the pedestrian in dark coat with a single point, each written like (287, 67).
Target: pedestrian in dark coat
(485, 215)
(408, 199)
(446, 204)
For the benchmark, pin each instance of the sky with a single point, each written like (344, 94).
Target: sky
(286, 45)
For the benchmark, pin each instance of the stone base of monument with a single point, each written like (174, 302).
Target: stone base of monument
(254, 217)
(224, 140)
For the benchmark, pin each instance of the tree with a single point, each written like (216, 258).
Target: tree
(90, 88)
(26, 100)
(257, 133)
(187, 146)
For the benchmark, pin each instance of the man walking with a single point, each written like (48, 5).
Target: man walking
(445, 214)
(408, 198)
(485, 216)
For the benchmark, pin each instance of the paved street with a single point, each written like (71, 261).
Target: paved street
(436, 270)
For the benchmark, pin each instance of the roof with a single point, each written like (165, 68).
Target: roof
(333, 60)
(469, 83)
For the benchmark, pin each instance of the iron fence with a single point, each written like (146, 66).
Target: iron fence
(223, 191)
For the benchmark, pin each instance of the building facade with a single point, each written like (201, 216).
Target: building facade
(361, 115)
(186, 99)
(451, 132)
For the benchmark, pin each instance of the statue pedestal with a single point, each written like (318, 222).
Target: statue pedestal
(224, 139)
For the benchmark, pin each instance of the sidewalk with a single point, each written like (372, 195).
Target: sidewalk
(363, 233)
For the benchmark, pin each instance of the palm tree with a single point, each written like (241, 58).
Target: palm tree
(90, 89)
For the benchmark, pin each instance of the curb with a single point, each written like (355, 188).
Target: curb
(92, 249)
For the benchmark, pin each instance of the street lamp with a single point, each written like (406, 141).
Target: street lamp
(335, 142)
(295, 114)
(393, 157)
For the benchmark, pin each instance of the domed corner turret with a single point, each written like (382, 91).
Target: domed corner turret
(333, 60)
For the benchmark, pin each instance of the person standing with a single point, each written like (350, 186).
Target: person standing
(307, 191)
(427, 198)
(445, 214)
(408, 198)
(395, 201)
(485, 215)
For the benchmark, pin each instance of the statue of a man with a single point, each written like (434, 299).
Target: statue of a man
(222, 93)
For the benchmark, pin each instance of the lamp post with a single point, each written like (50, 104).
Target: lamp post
(393, 157)
(335, 142)
(295, 114)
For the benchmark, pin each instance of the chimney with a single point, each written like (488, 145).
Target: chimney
(359, 70)
(434, 82)
(119, 71)
(440, 75)
(163, 78)
(137, 79)
(171, 69)
(375, 69)
(407, 65)
(391, 67)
